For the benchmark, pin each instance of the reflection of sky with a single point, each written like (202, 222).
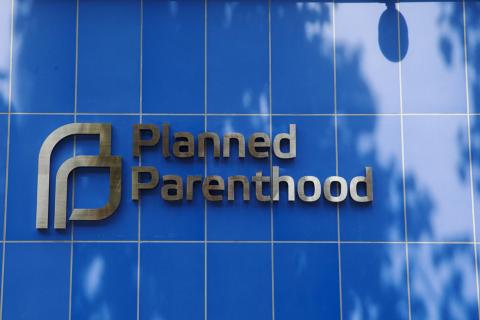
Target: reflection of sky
(356, 30)
(4, 52)
(433, 71)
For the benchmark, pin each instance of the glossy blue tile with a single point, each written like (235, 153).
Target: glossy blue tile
(366, 58)
(27, 134)
(109, 56)
(437, 178)
(442, 282)
(237, 52)
(36, 281)
(92, 184)
(104, 281)
(43, 77)
(173, 56)
(5, 22)
(179, 220)
(3, 162)
(306, 281)
(472, 16)
(315, 157)
(172, 281)
(475, 149)
(374, 142)
(238, 220)
(433, 70)
(239, 281)
(302, 57)
(374, 281)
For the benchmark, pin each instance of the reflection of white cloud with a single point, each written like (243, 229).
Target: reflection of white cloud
(102, 314)
(229, 10)
(173, 6)
(312, 30)
(263, 103)
(247, 99)
(93, 277)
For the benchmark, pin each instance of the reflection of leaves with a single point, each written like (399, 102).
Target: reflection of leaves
(446, 48)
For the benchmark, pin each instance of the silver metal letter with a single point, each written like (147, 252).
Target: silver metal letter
(137, 137)
(368, 197)
(343, 191)
(317, 189)
(253, 144)
(137, 185)
(292, 141)
(276, 185)
(231, 187)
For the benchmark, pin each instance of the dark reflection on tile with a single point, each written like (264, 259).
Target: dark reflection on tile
(92, 184)
(374, 142)
(108, 56)
(238, 220)
(104, 281)
(374, 281)
(433, 71)
(172, 281)
(437, 185)
(178, 220)
(315, 156)
(5, 22)
(239, 281)
(367, 81)
(173, 56)
(306, 281)
(302, 57)
(37, 281)
(442, 282)
(27, 134)
(237, 56)
(43, 56)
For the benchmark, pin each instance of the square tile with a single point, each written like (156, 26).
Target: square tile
(437, 178)
(172, 281)
(472, 15)
(239, 281)
(109, 56)
(5, 22)
(433, 70)
(173, 56)
(92, 184)
(104, 281)
(366, 58)
(372, 141)
(36, 275)
(315, 157)
(442, 282)
(374, 281)
(178, 220)
(3, 162)
(306, 281)
(475, 149)
(237, 52)
(27, 134)
(302, 57)
(239, 219)
(43, 77)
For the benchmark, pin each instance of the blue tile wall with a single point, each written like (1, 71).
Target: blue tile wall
(388, 86)
(239, 281)
(37, 285)
(302, 57)
(172, 281)
(43, 56)
(173, 56)
(306, 281)
(5, 22)
(374, 281)
(97, 292)
(237, 66)
(442, 282)
(108, 56)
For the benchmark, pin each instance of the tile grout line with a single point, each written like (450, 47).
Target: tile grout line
(7, 160)
(205, 103)
(339, 243)
(139, 203)
(70, 286)
(136, 114)
(404, 188)
(467, 93)
(272, 247)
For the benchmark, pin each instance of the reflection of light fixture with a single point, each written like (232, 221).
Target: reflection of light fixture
(391, 21)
